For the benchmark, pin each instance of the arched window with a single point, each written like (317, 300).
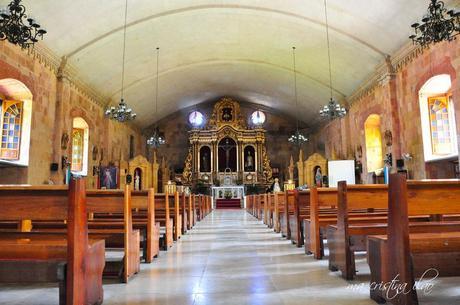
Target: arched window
(438, 119)
(80, 137)
(15, 122)
(11, 123)
(374, 153)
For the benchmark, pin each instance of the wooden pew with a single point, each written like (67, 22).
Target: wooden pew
(183, 202)
(200, 207)
(264, 206)
(145, 200)
(278, 208)
(323, 212)
(301, 212)
(350, 235)
(190, 212)
(74, 261)
(319, 198)
(116, 201)
(165, 217)
(270, 211)
(288, 210)
(116, 228)
(401, 256)
(342, 242)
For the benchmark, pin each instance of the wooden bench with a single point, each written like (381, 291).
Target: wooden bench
(400, 255)
(74, 261)
(116, 228)
(145, 201)
(270, 210)
(323, 212)
(301, 212)
(350, 234)
(286, 212)
(278, 205)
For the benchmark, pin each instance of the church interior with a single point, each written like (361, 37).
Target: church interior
(229, 152)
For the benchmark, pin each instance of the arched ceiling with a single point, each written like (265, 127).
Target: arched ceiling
(216, 48)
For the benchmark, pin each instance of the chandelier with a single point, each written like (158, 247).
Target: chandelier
(332, 110)
(17, 28)
(438, 25)
(122, 113)
(155, 139)
(297, 138)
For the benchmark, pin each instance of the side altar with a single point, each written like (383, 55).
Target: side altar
(226, 151)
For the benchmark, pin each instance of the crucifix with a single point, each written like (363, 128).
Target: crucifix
(227, 147)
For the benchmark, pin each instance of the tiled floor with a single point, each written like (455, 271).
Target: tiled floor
(231, 258)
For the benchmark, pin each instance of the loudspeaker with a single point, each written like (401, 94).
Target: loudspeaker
(400, 163)
(54, 167)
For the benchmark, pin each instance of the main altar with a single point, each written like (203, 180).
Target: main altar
(226, 151)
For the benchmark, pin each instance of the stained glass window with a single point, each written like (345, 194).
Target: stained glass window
(77, 149)
(441, 140)
(11, 121)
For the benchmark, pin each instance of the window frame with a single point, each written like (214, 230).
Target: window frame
(427, 135)
(5, 106)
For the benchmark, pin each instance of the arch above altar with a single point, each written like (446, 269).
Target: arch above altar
(227, 147)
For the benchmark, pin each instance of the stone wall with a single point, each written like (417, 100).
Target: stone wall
(56, 101)
(395, 97)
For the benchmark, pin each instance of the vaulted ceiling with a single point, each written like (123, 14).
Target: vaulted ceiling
(216, 48)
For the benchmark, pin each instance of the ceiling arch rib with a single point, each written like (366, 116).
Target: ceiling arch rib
(194, 87)
(226, 7)
(177, 69)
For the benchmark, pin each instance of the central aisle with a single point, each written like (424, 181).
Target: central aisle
(231, 258)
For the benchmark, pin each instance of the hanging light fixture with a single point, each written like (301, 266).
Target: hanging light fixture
(297, 138)
(155, 139)
(122, 113)
(438, 25)
(17, 28)
(332, 110)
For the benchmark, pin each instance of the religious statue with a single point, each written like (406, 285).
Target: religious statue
(276, 186)
(227, 147)
(137, 181)
(249, 162)
(205, 163)
(318, 177)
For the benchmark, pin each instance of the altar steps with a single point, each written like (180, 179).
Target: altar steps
(228, 204)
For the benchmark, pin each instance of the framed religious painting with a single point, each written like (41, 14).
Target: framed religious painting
(108, 177)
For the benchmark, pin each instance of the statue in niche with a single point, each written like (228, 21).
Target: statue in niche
(318, 177)
(137, 180)
(276, 186)
(249, 166)
(205, 163)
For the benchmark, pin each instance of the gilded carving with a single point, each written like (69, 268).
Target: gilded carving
(226, 122)
(226, 112)
(187, 174)
(267, 169)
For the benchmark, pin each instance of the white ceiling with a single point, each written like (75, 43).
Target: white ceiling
(216, 48)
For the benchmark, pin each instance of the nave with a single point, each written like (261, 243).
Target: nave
(231, 258)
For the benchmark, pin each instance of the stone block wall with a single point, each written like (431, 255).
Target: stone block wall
(56, 101)
(395, 97)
